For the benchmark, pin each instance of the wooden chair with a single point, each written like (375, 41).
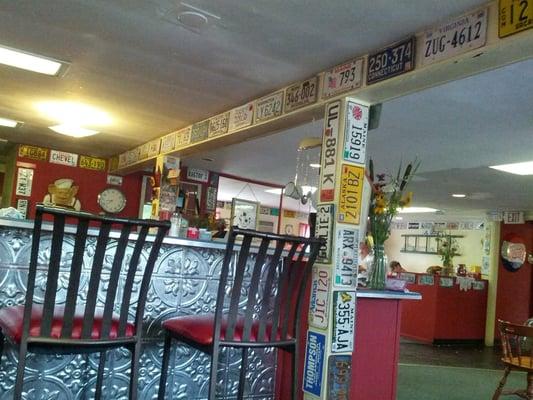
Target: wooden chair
(269, 315)
(75, 328)
(517, 349)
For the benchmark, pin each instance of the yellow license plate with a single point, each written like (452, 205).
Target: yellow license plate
(352, 178)
(514, 16)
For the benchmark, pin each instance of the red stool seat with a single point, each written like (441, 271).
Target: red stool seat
(11, 323)
(199, 329)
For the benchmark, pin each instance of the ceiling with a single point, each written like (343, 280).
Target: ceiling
(136, 60)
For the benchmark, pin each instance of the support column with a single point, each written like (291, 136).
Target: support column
(494, 262)
(341, 220)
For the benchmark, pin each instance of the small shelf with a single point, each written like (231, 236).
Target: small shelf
(423, 243)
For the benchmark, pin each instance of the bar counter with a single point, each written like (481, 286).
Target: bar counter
(184, 282)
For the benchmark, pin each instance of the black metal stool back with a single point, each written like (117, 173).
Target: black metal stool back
(99, 329)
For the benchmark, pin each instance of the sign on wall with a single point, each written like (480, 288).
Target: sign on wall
(318, 303)
(343, 321)
(324, 230)
(241, 117)
(94, 163)
(197, 174)
(301, 94)
(346, 250)
(339, 377)
(355, 133)
(391, 61)
(314, 363)
(22, 207)
(342, 78)
(328, 158)
(269, 107)
(351, 194)
(33, 152)
(24, 182)
(63, 158)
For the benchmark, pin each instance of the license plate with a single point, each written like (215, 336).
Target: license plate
(168, 142)
(199, 131)
(183, 137)
(459, 36)
(324, 228)
(301, 94)
(346, 250)
(356, 131)
(329, 152)
(391, 61)
(342, 78)
(314, 363)
(339, 377)
(343, 321)
(514, 16)
(241, 117)
(269, 107)
(351, 193)
(318, 303)
(218, 125)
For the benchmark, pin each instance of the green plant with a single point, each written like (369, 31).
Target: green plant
(448, 248)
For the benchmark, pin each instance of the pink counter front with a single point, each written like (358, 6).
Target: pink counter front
(376, 348)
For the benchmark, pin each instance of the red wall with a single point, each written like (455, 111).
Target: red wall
(90, 183)
(515, 289)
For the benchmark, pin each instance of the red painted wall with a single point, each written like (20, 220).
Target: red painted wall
(90, 183)
(515, 289)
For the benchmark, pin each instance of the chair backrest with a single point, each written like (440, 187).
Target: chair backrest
(262, 290)
(108, 250)
(517, 344)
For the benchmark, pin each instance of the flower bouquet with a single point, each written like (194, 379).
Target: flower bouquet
(388, 196)
(447, 249)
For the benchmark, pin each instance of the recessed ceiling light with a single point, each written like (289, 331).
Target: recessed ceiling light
(30, 62)
(314, 165)
(411, 210)
(398, 218)
(10, 123)
(72, 130)
(274, 191)
(459, 195)
(73, 113)
(523, 168)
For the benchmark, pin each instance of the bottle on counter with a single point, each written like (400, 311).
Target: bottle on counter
(175, 222)
(183, 226)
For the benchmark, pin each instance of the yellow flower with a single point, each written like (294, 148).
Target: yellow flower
(406, 201)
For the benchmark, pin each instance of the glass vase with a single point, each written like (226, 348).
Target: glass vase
(378, 275)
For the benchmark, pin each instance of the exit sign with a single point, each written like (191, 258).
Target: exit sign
(513, 217)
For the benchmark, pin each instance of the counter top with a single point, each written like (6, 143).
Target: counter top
(388, 294)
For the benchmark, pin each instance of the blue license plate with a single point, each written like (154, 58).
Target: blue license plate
(391, 61)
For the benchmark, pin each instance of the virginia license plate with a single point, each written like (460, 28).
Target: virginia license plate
(514, 16)
(456, 37)
(301, 94)
(342, 78)
(269, 107)
(391, 61)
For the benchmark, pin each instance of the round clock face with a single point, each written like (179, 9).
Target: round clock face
(112, 200)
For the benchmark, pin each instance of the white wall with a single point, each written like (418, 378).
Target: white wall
(470, 245)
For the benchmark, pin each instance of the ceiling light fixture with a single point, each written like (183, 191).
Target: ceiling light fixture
(30, 62)
(10, 123)
(277, 191)
(74, 113)
(314, 165)
(412, 210)
(522, 168)
(73, 130)
(459, 195)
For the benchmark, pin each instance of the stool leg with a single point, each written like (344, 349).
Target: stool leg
(100, 376)
(21, 365)
(213, 376)
(134, 377)
(164, 367)
(242, 375)
(499, 389)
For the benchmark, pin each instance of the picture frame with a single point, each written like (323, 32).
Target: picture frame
(244, 213)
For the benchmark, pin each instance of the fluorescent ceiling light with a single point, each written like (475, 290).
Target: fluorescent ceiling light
(274, 191)
(30, 62)
(74, 113)
(314, 165)
(523, 168)
(398, 218)
(412, 210)
(459, 195)
(72, 130)
(10, 123)
(307, 189)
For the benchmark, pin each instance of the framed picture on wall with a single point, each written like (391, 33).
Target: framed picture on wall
(244, 213)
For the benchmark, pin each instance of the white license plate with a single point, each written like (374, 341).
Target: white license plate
(456, 37)
(342, 78)
(318, 302)
(328, 158)
(324, 227)
(343, 321)
(355, 133)
(269, 107)
(301, 94)
(218, 125)
(346, 249)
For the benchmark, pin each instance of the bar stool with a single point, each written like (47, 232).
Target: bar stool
(76, 328)
(270, 316)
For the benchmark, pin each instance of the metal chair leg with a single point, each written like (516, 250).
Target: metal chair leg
(164, 367)
(499, 389)
(21, 366)
(242, 375)
(100, 376)
(211, 395)
(134, 376)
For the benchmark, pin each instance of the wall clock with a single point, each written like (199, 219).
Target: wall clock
(112, 200)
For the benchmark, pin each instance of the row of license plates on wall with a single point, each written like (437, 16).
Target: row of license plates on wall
(460, 35)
